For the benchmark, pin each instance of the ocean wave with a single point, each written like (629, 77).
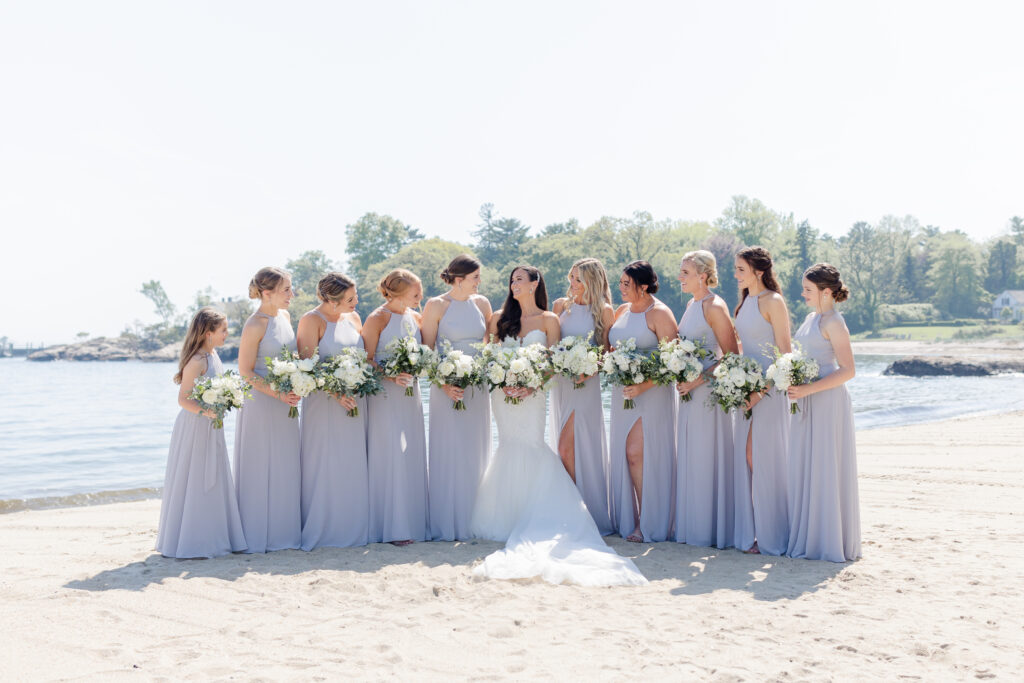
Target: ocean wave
(78, 499)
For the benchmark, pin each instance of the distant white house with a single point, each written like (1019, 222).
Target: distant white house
(1012, 299)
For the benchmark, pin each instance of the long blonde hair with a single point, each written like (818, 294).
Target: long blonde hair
(595, 287)
(207, 319)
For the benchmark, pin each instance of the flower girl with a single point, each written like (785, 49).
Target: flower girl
(199, 513)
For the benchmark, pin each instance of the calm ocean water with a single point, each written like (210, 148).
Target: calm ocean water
(79, 433)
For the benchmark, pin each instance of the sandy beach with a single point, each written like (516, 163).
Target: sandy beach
(984, 348)
(936, 595)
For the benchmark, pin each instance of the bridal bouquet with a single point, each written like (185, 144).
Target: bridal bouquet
(680, 360)
(408, 356)
(290, 374)
(735, 380)
(791, 369)
(509, 365)
(455, 368)
(220, 394)
(576, 357)
(625, 366)
(349, 373)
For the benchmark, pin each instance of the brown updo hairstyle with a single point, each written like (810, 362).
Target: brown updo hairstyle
(207, 319)
(757, 258)
(397, 283)
(460, 266)
(642, 273)
(704, 262)
(332, 287)
(266, 280)
(826, 276)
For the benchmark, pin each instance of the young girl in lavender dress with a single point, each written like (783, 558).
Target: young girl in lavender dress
(199, 512)
(705, 482)
(577, 416)
(460, 440)
(335, 499)
(396, 445)
(643, 439)
(762, 442)
(824, 510)
(267, 475)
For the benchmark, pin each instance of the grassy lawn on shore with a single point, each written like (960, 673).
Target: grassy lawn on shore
(945, 333)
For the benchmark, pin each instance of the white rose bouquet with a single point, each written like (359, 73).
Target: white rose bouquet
(625, 366)
(791, 369)
(349, 373)
(576, 357)
(680, 360)
(509, 365)
(220, 394)
(455, 368)
(735, 380)
(407, 356)
(289, 373)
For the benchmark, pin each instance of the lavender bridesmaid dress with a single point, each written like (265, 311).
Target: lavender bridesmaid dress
(588, 424)
(704, 452)
(199, 511)
(397, 451)
(657, 408)
(824, 509)
(460, 441)
(267, 475)
(761, 508)
(335, 494)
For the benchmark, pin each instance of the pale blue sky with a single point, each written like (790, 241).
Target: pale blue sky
(193, 142)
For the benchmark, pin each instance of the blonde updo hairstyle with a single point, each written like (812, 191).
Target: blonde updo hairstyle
(826, 276)
(332, 287)
(397, 283)
(704, 262)
(266, 280)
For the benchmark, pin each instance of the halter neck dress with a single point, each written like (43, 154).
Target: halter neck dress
(267, 475)
(199, 510)
(824, 507)
(397, 451)
(460, 440)
(335, 494)
(591, 443)
(656, 407)
(705, 481)
(761, 507)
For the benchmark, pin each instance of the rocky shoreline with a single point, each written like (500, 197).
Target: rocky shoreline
(938, 366)
(120, 349)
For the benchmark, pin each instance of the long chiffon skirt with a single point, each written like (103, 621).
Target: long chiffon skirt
(460, 442)
(657, 408)
(199, 511)
(705, 484)
(267, 475)
(335, 489)
(591, 454)
(397, 456)
(824, 506)
(762, 511)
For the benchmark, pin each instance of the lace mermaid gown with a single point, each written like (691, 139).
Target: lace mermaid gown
(527, 499)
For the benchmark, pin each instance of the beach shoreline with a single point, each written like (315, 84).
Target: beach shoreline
(935, 595)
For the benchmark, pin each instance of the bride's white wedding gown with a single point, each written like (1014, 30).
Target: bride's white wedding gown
(527, 499)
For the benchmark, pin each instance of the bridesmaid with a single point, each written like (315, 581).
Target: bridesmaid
(460, 441)
(642, 438)
(335, 498)
(704, 447)
(762, 442)
(396, 446)
(267, 475)
(199, 511)
(577, 416)
(824, 511)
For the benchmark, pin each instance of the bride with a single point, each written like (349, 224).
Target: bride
(526, 498)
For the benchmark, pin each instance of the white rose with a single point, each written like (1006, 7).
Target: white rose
(211, 397)
(446, 368)
(306, 365)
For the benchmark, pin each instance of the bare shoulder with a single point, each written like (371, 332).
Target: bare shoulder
(664, 313)
(354, 318)
(718, 305)
(482, 302)
(379, 318)
(287, 314)
(256, 324)
(434, 302)
(621, 309)
(834, 324)
(609, 309)
(418, 316)
(559, 305)
(196, 364)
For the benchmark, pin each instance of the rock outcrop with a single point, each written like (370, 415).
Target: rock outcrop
(933, 366)
(120, 349)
